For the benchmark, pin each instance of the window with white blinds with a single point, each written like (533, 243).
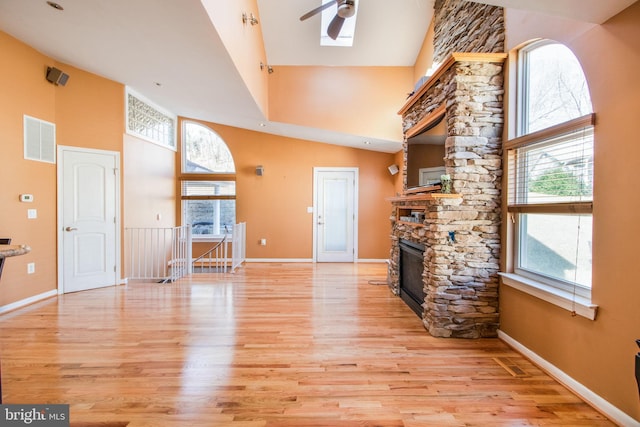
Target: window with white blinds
(551, 167)
(207, 182)
(550, 172)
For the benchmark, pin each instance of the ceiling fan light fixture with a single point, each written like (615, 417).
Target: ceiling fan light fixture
(347, 9)
(55, 5)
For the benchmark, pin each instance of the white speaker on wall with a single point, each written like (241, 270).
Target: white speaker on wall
(393, 169)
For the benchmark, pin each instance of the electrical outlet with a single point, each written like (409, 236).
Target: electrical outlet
(263, 242)
(31, 268)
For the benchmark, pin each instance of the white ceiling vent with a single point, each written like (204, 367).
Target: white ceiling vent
(39, 140)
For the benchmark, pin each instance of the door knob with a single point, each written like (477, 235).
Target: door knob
(70, 229)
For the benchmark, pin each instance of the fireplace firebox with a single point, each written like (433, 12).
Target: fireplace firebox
(411, 268)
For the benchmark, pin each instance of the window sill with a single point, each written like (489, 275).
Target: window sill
(582, 306)
(208, 238)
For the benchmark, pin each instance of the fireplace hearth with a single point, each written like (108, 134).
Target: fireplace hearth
(411, 268)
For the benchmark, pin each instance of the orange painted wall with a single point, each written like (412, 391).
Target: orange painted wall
(26, 92)
(357, 100)
(88, 112)
(149, 183)
(274, 205)
(243, 42)
(425, 57)
(599, 354)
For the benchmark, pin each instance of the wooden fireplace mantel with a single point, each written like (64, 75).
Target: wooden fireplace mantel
(423, 197)
(448, 63)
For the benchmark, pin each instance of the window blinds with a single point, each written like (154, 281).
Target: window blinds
(551, 167)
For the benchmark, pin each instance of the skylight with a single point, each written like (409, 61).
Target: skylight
(347, 32)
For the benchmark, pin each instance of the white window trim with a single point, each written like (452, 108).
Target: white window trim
(522, 88)
(570, 299)
(574, 303)
(210, 237)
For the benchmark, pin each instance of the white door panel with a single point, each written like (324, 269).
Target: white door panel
(336, 207)
(89, 210)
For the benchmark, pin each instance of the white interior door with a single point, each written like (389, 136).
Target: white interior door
(89, 219)
(335, 214)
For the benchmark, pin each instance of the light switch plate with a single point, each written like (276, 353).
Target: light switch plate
(32, 213)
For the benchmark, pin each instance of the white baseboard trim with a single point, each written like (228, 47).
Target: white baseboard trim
(599, 403)
(19, 304)
(309, 260)
(278, 260)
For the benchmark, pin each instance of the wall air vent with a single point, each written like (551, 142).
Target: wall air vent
(39, 140)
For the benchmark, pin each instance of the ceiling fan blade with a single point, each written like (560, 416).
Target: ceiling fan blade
(335, 26)
(317, 10)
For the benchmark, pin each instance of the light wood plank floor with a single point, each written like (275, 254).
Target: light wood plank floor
(272, 345)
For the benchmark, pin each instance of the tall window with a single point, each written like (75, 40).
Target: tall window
(208, 182)
(550, 166)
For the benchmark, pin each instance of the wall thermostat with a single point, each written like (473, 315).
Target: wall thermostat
(26, 198)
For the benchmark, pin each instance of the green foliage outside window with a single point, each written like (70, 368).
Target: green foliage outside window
(560, 183)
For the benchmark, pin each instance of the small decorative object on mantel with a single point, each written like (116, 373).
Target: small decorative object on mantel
(445, 184)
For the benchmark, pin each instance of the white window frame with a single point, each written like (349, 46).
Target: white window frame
(200, 176)
(216, 200)
(567, 295)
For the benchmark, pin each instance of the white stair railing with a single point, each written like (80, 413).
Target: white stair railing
(162, 254)
(216, 259)
(238, 245)
(213, 260)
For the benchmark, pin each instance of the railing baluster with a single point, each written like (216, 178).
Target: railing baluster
(164, 254)
(157, 253)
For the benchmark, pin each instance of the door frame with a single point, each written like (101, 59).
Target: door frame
(316, 172)
(60, 202)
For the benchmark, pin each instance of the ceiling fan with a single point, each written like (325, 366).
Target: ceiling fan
(346, 9)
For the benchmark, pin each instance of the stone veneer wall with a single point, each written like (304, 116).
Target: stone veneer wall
(464, 26)
(461, 269)
(461, 235)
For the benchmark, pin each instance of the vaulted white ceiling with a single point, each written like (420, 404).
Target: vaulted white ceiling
(168, 50)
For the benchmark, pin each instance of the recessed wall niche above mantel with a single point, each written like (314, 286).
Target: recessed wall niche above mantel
(425, 151)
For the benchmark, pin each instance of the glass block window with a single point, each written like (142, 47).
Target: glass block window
(150, 122)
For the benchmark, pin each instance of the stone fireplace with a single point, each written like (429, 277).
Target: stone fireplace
(459, 231)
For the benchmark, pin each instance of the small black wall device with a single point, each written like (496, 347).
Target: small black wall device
(57, 77)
